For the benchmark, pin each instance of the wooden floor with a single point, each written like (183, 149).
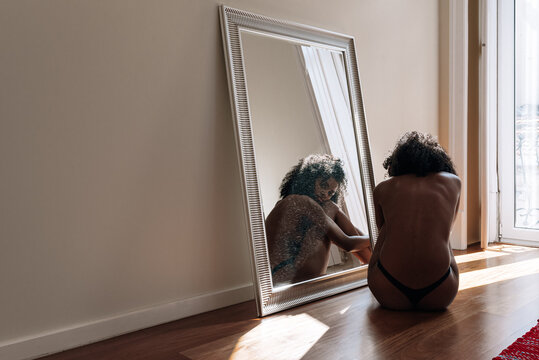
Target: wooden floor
(498, 301)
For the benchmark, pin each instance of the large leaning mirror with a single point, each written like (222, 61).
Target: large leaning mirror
(304, 157)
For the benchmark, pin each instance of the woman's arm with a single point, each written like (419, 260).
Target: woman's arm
(379, 223)
(350, 243)
(364, 254)
(345, 224)
(379, 215)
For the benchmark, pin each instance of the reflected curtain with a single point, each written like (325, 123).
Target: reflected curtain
(326, 80)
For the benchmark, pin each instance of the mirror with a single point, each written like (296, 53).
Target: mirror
(299, 105)
(304, 157)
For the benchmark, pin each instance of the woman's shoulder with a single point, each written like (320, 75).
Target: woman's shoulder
(442, 178)
(331, 208)
(383, 185)
(439, 176)
(446, 175)
(380, 189)
(294, 203)
(298, 199)
(448, 178)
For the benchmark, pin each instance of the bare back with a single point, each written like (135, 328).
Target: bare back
(297, 239)
(299, 234)
(415, 216)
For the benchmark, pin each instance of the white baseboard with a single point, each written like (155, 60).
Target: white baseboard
(86, 333)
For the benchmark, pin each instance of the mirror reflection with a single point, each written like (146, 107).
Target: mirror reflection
(306, 154)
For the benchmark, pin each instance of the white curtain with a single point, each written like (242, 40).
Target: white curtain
(326, 78)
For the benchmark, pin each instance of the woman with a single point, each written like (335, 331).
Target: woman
(302, 225)
(412, 266)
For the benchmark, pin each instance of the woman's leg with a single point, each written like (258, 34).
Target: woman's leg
(441, 297)
(385, 292)
(389, 296)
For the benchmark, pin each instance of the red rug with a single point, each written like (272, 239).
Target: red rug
(524, 348)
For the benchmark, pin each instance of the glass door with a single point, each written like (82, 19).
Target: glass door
(518, 111)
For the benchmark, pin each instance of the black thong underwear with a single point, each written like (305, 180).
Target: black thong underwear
(414, 295)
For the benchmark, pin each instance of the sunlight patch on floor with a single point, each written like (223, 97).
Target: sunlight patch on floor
(287, 337)
(343, 311)
(511, 248)
(478, 256)
(494, 274)
(493, 252)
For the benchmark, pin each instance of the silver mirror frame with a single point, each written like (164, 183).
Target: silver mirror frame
(269, 299)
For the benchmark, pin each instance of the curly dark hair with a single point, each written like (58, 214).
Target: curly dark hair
(301, 178)
(419, 154)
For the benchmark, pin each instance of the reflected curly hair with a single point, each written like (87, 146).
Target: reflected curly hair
(419, 154)
(301, 178)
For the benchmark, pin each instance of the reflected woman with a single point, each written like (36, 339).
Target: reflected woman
(302, 225)
(412, 266)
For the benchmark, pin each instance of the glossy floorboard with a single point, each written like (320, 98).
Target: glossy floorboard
(498, 301)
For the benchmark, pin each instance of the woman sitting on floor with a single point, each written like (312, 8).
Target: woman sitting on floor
(412, 266)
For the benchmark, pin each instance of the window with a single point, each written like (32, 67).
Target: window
(518, 119)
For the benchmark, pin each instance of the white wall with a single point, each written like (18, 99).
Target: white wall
(119, 190)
